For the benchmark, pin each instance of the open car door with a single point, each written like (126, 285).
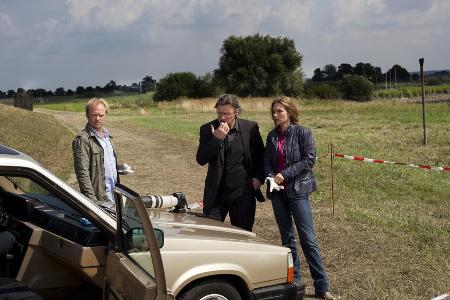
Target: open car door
(134, 270)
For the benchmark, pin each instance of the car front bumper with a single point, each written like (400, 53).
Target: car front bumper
(287, 291)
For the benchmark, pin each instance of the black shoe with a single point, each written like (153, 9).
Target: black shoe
(326, 296)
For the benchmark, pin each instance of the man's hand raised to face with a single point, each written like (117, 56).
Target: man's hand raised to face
(221, 131)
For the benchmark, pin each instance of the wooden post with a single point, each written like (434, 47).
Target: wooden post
(332, 173)
(421, 60)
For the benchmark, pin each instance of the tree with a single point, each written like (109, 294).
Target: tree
(2, 95)
(330, 72)
(10, 94)
(184, 84)
(318, 75)
(204, 87)
(259, 66)
(344, 70)
(400, 74)
(70, 92)
(80, 90)
(110, 87)
(60, 92)
(148, 84)
(174, 86)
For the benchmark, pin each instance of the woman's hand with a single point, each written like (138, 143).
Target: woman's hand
(279, 179)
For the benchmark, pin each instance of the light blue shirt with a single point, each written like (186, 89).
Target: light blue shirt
(109, 163)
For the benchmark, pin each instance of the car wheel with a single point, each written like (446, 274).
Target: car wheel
(211, 290)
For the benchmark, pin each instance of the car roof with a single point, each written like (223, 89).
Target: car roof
(7, 152)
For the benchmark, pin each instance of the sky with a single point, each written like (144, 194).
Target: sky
(56, 43)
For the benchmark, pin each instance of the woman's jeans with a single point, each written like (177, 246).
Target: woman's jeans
(299, 209)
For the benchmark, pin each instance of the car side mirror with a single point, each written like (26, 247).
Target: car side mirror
(159, 237)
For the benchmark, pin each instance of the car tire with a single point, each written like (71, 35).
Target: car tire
(211, 290)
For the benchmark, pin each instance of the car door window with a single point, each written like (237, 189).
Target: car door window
(25, 198)
(23, 185)
(135, 241)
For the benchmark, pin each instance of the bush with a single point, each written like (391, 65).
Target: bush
(321, 91)
(356, 88)
(183, 84)
(174, 86)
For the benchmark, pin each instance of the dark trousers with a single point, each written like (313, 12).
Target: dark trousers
(241, 208)
(6, 242)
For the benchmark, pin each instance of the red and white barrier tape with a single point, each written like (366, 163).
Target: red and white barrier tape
(443, 296)
(379, 161)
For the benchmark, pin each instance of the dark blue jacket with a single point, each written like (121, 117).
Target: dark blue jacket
(300, 159)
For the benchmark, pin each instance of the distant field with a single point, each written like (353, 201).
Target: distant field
(390, 237)
(413, 91)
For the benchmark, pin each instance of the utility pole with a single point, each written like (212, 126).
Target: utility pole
(395, 77)
(386, 79)
(390, 78)
(421, 60)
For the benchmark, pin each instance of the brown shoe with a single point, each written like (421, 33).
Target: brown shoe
(326, 296)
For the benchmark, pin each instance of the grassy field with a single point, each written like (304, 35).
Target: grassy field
(39, 136)
(412, 91)
(390, 235)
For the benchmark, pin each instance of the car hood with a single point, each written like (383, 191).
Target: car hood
(187, 225)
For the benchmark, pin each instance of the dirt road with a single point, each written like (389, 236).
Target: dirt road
(162, 164)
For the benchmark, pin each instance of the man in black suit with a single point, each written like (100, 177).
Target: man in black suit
(234, 151)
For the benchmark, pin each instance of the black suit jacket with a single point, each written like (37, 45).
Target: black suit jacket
(211, 151)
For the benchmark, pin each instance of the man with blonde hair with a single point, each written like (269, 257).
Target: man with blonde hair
(94, 156)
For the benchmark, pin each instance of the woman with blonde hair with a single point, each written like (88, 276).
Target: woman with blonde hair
(288, 164)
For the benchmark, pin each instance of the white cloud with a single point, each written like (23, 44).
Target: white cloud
(7, 26)
(112, 14)
(295, 16)
(357, 12)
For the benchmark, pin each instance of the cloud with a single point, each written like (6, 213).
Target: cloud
(111, 14)
(7, 26)
(357, 12)
(296, 15)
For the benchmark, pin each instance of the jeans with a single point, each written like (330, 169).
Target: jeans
(298, 208)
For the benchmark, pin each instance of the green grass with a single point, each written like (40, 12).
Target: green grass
(78, 104)
(412, 91)
(380, 130)
(38, 135)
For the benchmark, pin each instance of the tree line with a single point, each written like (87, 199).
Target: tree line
(258, 66)
(148, 84)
